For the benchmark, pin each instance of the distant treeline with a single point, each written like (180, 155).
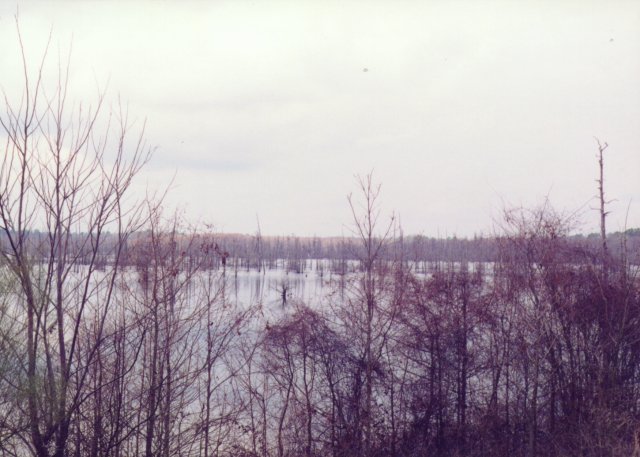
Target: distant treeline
(242, 251)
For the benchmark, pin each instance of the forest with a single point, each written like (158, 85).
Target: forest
(117, 337)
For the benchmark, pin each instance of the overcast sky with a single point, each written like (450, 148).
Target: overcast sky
(268, 109)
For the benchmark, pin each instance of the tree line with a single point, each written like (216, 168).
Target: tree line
(246, 252)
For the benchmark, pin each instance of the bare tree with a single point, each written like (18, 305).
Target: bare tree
(373, 239)
(63, 183)
(603, 213)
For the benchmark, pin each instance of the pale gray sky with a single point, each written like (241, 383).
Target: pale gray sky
(264, 108)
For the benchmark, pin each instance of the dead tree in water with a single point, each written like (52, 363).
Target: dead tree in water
(284, 291)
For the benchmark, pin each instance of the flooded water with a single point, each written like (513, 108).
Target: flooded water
(315, 283)
(277, 287)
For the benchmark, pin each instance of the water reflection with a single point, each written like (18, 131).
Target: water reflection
(277, 287)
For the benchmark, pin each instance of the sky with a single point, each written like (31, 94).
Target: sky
(266, 112)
